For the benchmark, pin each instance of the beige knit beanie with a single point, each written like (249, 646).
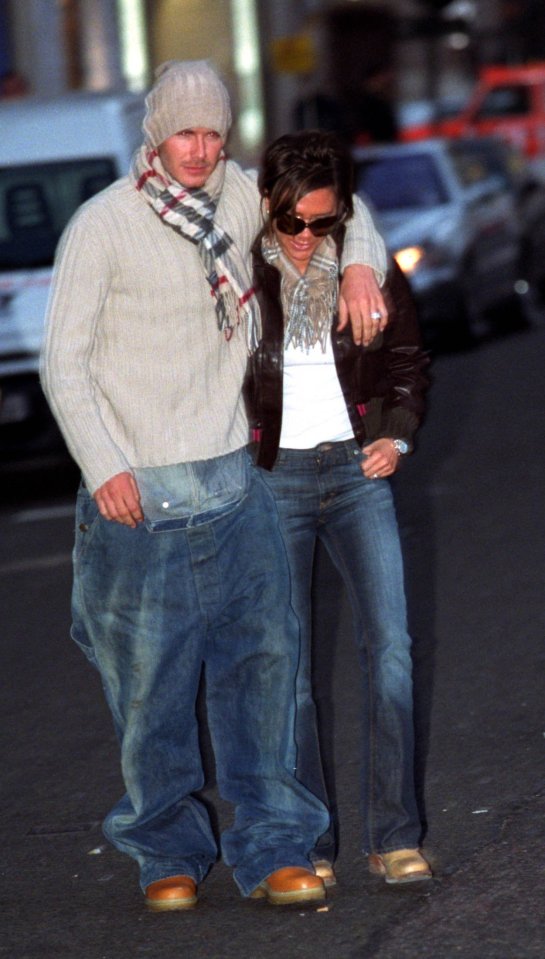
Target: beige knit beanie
(186, 94)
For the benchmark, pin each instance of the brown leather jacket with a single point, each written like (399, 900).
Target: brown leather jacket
(383, 384)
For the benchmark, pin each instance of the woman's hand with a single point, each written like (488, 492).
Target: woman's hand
(361, 302)
(381, 459)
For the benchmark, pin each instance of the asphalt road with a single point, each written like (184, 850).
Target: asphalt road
(472, 515)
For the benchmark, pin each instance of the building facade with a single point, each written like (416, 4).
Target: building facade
(287, 64)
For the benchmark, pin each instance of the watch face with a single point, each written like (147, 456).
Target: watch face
(401, 446)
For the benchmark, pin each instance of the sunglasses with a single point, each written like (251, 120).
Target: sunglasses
(292, 225)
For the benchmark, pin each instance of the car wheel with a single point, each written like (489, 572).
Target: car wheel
(510, 315)
(532, 266)
(471, 325)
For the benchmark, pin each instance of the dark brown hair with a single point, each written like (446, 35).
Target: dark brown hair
(298, 163)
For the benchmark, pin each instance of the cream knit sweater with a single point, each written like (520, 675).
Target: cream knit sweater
(133, 365)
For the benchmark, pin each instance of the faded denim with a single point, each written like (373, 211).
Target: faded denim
(322, 494)
(203, 583)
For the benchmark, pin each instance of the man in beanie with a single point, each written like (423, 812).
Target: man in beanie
(179, 567)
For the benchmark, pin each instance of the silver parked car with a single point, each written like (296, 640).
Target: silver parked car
(451, 223)
(527, 185)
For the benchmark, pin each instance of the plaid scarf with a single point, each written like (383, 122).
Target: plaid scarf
(309, 299)
(191, 212)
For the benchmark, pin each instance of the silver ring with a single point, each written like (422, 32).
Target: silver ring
(375, 475)
(375, 315)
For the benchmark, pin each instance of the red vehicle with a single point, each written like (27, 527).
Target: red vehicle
(508, 101)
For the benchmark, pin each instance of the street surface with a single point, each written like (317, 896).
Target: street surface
(471, 507)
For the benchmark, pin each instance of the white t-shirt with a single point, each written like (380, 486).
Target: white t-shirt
(314, 410)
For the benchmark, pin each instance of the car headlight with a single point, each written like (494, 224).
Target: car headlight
(409, 258)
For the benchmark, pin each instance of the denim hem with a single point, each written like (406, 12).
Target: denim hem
(250, 877)
(159, 869)
(411, 843)
(317, 855)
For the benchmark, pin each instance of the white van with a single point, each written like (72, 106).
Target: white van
(54, 154)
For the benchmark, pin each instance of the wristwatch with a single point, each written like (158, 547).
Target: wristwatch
(401, 447)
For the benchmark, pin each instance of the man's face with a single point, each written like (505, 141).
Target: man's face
(190, 156)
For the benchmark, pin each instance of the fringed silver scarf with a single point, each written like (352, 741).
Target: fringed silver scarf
(309, 299)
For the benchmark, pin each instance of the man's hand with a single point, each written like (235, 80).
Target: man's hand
(361, 302)
(118, 499)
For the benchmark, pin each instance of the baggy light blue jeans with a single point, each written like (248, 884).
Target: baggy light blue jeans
(322, 494)
(203, 583)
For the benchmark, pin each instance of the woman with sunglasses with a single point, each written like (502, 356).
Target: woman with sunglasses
(331, 421)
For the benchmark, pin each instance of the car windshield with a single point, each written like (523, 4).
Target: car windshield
(400, 182)
(36, 202)
(507, 101)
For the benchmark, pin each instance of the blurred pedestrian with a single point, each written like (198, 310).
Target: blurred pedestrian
(371, 114)
(150, 321)
(332, 421)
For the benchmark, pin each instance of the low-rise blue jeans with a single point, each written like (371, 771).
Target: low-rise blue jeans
(322, 494)
(203, 583)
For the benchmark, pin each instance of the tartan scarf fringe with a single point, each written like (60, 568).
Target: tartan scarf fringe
(191, 212)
